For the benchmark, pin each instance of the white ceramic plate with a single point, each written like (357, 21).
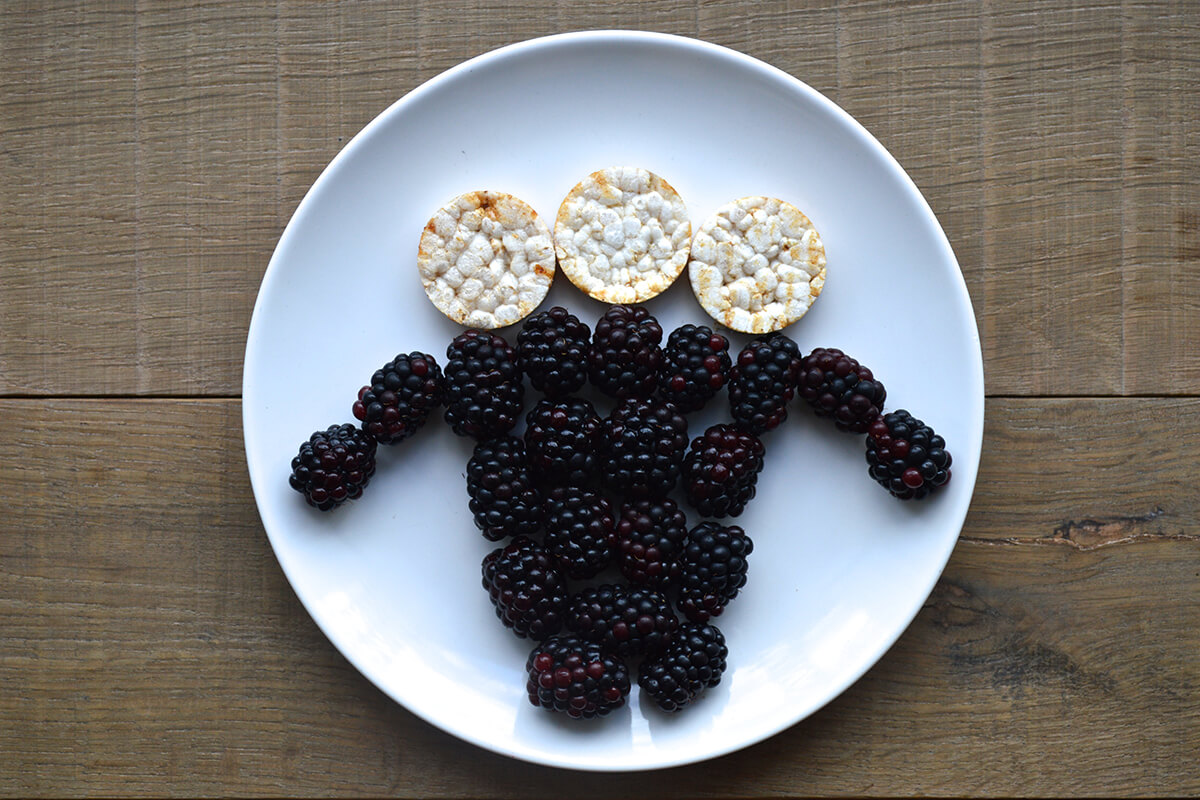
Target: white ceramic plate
(839, 568)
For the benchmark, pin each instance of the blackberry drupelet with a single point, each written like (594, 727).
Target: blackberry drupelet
(504, 500)
(333, 466)
(625, 356)
(906, 457)
(526, 588)
(628, 621)
(642, 445)
(552, 349)
(561, 438)
(836, 385)
(581, 530)
(693, 661)
(572, 675)
(650, 537)
(399, 398)
(484, 388)
(695, 367)
(763, 381)
(720, 470)
(712, 569)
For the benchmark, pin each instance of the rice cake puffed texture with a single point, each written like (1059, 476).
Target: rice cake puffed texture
(622, 235)
(486, 259)
(757, 265)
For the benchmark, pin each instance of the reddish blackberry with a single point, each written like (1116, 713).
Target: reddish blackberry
(504, 500)
(561, 438)
(837, 386)
(570, 674)
(526, 588)
(691, 663)
(625, 357)
(695, 366)
(399, 398)
(641, 448)
(333, 466)
(712, 570)
(721, 469)
(581, 530)
(628, 621)
(484, 389)
(906, 457)
(552, 348)
(650, 537)
(762, 381)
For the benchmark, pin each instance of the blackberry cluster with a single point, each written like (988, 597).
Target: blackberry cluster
(333, 466)
(695, 365)
(720, 471)
(399, 398)
(484, 388)
(622, 620)
(504, 501)
(712, 570)
(906, 457)
(526, 588)
(581, 530)
(650, 537)
(642, 448)
(763, 381)
(693, 661)
(561, 440)
(836, 385)
(575, 676)
(552, 349)
(626, 357)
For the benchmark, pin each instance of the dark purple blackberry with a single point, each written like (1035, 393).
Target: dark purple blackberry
(484, 388)
(695, 366)
(399, 398)
(526, 588)
(642, 444)
(622, 620)
(561, 437)
(906, 457)
(552, 348)
(712, 570)
(763, 381)
(333, 466)
(837, 386)
(572, 675)
(581, 530)
(692, 662)
(650, 537)
(504, 500)
(625, 357)
(721, 470)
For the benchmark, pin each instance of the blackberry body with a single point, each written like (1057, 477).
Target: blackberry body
(836, 385)
(622, 620)
(581, 530)
(625, 357)
(504, 500)
(561, 439)
(552, 348)
(484, 388)
(399, 398)
(642, 447)
(526, 588)
(575, 676)
(693, 661)
(720, 471)
(712, 570)
(695, 366)
(763, 381)
(650, 537)
(333, 466)
(906, 457)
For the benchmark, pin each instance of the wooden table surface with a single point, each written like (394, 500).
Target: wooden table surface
(150, 156)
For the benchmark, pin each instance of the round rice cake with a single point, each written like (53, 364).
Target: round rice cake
(486, 259)
(757, 264)
(622, 235)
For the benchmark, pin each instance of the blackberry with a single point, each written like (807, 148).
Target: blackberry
(622, 620)
(712, 570)
(695, 366)
(641, 448)
(484, 389)
(399, 398)
(581, 530)
(625, 357)
(504, 500)
(526, 588)
(721, 470)
(570, 674)
(561, 437)
(333, 466)
(906, 457)
(650, 537)
(692, 662)
(762, 381)
(552, 349)
(837, 386)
